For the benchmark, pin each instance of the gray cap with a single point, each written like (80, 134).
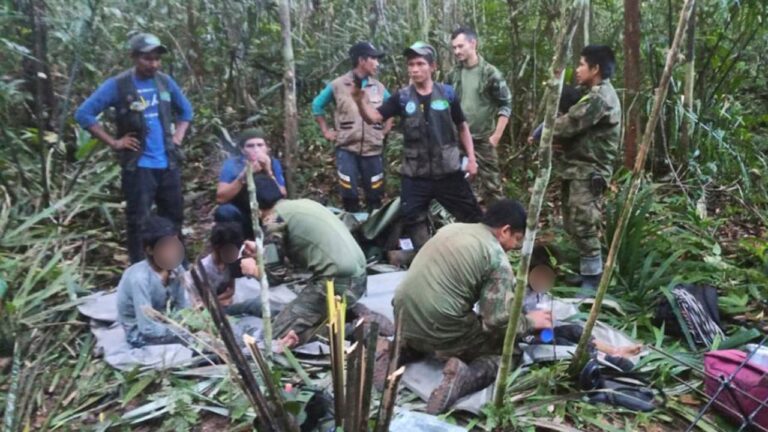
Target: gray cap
(421, 49)
(145, 43)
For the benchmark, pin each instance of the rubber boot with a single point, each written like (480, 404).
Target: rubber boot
(351, 205)
(460, 379)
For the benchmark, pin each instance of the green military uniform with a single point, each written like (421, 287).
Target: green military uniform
(313, 238)
(461, 265)
(590, 134)
(484, 96)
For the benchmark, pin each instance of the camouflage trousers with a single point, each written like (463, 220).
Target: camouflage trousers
(487, 185)
(310, 308)
(582, 212)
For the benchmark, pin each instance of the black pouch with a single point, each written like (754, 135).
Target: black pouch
(597, 184)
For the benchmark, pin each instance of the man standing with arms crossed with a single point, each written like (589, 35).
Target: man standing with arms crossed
(358, 144)
(487, 103)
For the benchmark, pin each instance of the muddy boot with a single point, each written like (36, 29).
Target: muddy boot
(591, 269)
(459, 380)
(386, 327)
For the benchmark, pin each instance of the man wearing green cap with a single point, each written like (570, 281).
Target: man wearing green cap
(232, 192)
(146, 103)
(487, 102)
(358, 144)
(435, 131)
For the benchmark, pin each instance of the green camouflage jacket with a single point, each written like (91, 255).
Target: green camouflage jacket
(495, 98)
(590, 134)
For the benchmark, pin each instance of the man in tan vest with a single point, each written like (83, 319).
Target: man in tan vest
(358, 144)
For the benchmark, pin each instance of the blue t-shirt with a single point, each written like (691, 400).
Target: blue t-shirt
(232, 167)
(107, 96)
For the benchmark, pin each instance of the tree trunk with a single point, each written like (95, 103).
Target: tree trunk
(551, 98)
(632, 79)
(690, 79)
(580, 356)
(291, 126)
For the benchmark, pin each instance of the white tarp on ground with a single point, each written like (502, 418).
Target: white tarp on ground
(420, 377)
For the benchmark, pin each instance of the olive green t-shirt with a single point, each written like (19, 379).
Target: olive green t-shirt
(317, 240)
(480, 110)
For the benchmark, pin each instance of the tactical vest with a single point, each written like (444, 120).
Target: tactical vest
(354, 134)
(430, 139)
(132, 120)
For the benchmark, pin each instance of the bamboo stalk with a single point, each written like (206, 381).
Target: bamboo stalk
(551, 98)
(388, 400)
(351, 413)
(266, 311)
(274, 392)
(580, 355)
(367, 378)
(247, 379)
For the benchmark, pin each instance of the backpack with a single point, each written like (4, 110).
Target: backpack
(737, 386)
(619, 386)
(690, 312)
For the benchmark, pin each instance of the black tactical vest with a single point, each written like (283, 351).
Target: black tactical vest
(431, 145)
(132, 120)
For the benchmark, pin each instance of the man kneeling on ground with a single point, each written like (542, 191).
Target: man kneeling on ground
(462, 265)
(153, 283)
(314, 239)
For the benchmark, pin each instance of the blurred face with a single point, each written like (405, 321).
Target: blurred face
(369, 65)
(420, 70)
(255, 147)
(509, 239)
(229, 253)
(463, 48)
(587, 75)
(168, 253)
(147, 64)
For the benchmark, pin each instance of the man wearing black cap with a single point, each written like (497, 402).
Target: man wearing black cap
(146, 102)
(358, 144)
(434, 131)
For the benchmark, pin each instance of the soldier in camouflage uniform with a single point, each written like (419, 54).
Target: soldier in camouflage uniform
(311, 238)
(487, 103)
(589, 135)
(461, 265)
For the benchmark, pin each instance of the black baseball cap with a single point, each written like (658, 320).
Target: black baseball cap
(421, 49)
(364, 49)
(145, 43)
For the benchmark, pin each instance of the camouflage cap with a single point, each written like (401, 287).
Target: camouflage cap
(421, 49)
(145, 42)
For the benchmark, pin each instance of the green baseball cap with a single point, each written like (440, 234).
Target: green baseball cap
(145, 43)
(421, 49)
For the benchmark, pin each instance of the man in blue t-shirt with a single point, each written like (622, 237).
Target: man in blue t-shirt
(146, 103)
(232, 192)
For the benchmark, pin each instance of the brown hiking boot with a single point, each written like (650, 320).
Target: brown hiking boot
(451, 389)
(460, 379)
(386, 327)
(381, 363)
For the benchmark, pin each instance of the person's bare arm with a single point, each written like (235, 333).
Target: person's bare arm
(180, 132)
(127, 142)
(501, 125)
(226, 192)
(367, 112)
(388, 125)
(328, 133)
(469, 148)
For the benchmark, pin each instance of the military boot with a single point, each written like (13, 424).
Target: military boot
(460, 379)
(386, 327)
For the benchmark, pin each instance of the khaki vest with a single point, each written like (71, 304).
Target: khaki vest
(354, 134)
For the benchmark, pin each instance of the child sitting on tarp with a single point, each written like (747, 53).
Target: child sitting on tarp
(541, 279)
(231, 257)
(154, 283)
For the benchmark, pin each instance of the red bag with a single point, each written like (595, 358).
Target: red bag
(748, 385)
